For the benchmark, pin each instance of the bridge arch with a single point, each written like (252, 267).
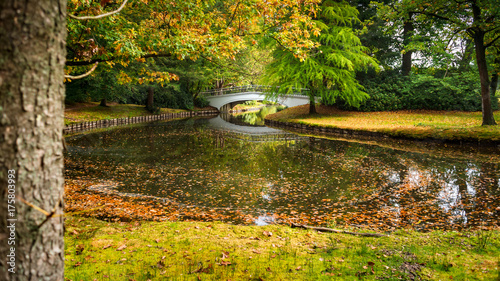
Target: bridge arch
(218, 101)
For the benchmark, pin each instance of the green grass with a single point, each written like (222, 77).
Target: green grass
(93, 112)
(452, 125)
(98, 250)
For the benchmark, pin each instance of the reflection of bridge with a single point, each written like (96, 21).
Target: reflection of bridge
(226, 98)
(254, 134)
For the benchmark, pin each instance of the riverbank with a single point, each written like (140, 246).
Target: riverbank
(421, 125)
(89, 116)
(91, 112)
(138, 250)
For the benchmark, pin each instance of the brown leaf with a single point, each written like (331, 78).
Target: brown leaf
(160, 265)
(122, 247)
(267, 233)
(79, 249)
(107, 246)
(225, 263)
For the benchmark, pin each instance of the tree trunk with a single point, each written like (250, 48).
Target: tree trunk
(494, 76)
(312, 105)
(32, 57)
(488, 118)
(466, 56)
(494, 84)
(408, 29)
(150, 100)
(103, 103)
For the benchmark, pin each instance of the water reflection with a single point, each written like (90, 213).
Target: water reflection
(250, 118)
(212, 174)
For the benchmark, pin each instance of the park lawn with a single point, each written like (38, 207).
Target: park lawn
(420, 124)
(141, 250)
(91, 111)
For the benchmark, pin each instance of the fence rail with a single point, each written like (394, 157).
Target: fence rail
(244, 89)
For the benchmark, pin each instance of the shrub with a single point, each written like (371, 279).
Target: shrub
(389, 92)
(201, 102)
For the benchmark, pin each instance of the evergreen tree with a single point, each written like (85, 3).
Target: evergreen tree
(329, 70)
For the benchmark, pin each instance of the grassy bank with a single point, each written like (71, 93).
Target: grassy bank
(98, 250)
(414, 124)
(91, 111)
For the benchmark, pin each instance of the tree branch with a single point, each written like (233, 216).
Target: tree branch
(82, 63)
(83, 75)
(99, 16)
(492, 42)
(324, 229)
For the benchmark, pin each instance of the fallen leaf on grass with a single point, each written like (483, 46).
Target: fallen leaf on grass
(122, 247)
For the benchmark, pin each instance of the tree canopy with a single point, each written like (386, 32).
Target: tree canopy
(329, 71)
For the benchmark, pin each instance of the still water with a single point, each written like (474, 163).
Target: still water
(215, 170)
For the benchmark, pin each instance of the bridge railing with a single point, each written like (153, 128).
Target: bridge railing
(243, 89)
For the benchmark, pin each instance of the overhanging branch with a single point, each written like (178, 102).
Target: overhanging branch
(83, 75)
(99, 16)
(83, 62)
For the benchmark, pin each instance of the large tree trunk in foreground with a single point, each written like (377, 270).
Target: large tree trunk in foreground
(32, 57)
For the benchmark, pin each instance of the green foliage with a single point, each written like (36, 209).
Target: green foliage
(251, 102)
(102, 84)
(388, 92)
(165, 97)
(201, 102)
(329, 71)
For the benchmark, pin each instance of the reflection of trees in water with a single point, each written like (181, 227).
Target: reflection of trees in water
(358, 183)
(253, 118)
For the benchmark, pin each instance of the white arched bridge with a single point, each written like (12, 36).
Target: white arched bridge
(226, 98)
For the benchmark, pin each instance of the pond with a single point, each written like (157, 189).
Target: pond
(214, 170)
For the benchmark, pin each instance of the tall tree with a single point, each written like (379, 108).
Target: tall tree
(329, 71)
(479, 19)
(32, 58)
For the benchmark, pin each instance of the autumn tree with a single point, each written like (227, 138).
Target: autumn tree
(32, 57)
(329, 70)
(187, 29)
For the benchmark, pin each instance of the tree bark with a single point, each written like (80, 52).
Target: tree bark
(478, 36)
(488, 118)
(103, 103)
(494, 76)
(150, 100)
(312, 105)
(32, 58)
(408, 29)
(466, 56)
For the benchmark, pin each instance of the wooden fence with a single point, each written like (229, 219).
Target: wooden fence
(85, 126)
